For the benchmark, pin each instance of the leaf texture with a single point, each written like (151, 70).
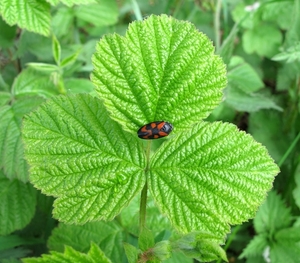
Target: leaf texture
(78, 154)
(163, 69)
(32, 15)
(209, 177)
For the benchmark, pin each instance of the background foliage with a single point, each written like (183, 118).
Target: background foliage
(46, 50)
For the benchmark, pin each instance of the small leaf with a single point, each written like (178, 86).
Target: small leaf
(242, 75)
(162, 250)
(32, 15)
(163, 69)
(201, 246)
(78, 154)
(146, 239)
(273, 215)
(70, 255)
(17, 204)
(287, 247)
(255, 247)
(32, 82)
(249, 102)
(101, 14)
(56, 50)
(107, 235)
(69, 60)
(43, 67)
(11, 148)
(209, 177)
(131, 253)
(264, 40)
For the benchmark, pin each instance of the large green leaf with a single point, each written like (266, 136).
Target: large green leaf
(32, 15)
(11, 147)
(209, 177)
(163, 69)
(17, 204)
(78, 154)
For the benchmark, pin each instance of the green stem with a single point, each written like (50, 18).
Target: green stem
(143, 203)
(217, 24)
(136, 10)
(289, 150)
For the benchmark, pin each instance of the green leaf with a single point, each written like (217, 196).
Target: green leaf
(69, 60)
(32, 15)
(74, 85)
(11, 149)
(265, 40)
(17, 204)
(245, 18)
(131, 253)
(163, 69)
(146, 239)
(287, 246)
(107, 235)
(78, 154)
(280, 12)
(5, 97)
(32, 82)
(250, 102)
(291, 54)
(267, 127)
(37, 45)
(71, 2)
(272, 216)
(94, 255)
(162, 250)
(242, 75)
(201, 246)
(56, 50)
(255, 247)
(289, 235)
(43, 67)
(8, 34)
(103, 14)
(209, 177)
(296, 192)
(62, 21)
(3, 85)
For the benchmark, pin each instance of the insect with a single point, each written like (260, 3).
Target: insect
(155, 130)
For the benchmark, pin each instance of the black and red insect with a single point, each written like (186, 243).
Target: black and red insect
(155, 130)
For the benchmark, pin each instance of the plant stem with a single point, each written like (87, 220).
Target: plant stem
(136, 10)
(217, 24)
(289, 150)
(143, 203)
